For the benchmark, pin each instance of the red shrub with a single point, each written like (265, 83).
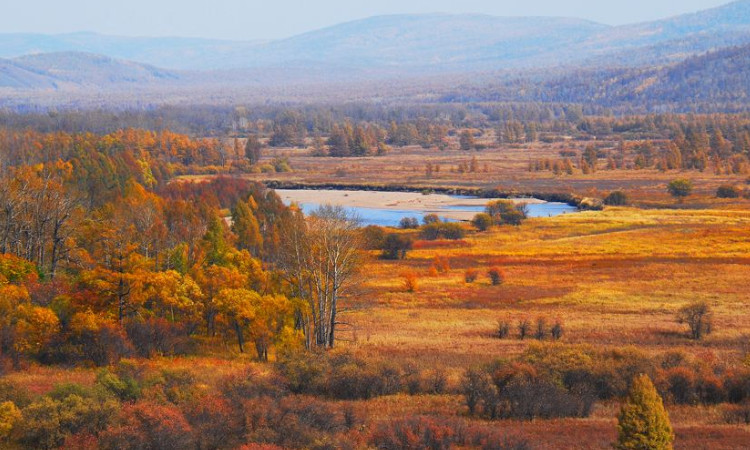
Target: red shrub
(149, 425)
(496, 276)
(442, 264)
(410, 280)
(415, 432)
(215, 424)
(471, 275)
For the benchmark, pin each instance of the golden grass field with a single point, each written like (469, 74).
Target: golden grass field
(615, 278)
(504, 167)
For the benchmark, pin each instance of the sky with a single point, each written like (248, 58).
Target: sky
(274, 19)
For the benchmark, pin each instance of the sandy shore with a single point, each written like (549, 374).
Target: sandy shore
(432, 203)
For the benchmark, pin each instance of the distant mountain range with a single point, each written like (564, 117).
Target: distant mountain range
(388, 48)
(425, 42)
(77, 70)
(715, 80)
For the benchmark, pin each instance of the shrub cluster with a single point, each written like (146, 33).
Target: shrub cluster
(616, 198)
(540, 330)
(495, 274)
(345, 377)
(608, 373)
(517, 391)
(507, 212)
(92, 340)
(130, 407)
(442, 230)
(440, 433)
(395, 246)
(409, 223)
(482, 221)
(728, 191)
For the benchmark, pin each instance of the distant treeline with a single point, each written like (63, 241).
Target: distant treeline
(210, 136)
(220, 121)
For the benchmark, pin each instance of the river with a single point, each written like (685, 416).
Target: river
(388, 208)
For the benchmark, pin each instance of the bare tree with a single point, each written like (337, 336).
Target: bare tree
(253, 149)
(321, 257)
(698, 317)
(36, 217)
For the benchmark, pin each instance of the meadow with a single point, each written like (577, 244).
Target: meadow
(502, 167)
(614, 279)
(176, 319)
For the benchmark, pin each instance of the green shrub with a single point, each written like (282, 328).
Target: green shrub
(728, 191)
(616, 198)
(482, 221)
(680, 188)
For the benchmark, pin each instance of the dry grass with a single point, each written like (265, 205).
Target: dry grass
(505, 167)
(614, 278)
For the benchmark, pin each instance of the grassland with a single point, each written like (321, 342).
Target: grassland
(499, 167)
(614, 278)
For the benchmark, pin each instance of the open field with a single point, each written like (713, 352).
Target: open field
(167, 320)
(614, 278)
(498, 167)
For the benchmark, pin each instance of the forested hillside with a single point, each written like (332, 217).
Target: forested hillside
(693, 62)
(429, 43)
(77, 71)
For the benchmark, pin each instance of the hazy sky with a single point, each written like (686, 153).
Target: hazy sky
(252, 19)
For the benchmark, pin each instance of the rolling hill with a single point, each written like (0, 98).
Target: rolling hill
(702, 57)
(427, 43)
(73, 70)
(716, 80)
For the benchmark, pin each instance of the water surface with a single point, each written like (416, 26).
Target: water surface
(456, 208)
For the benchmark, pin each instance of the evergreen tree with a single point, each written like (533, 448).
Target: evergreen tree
(643, 423)
(215, 243)
(246, 227)
(253, 149)
(339, 142)
(466, 140)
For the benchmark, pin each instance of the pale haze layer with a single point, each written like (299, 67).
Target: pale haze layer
(251, 19)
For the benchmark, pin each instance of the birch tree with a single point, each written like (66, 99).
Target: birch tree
(320, 257)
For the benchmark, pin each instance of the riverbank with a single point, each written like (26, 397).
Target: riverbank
(570, 199)
(394, 205)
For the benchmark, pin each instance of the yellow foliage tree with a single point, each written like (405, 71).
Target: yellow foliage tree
(35, 326)
(237, 307)
(643, 423)
(273, 313)
(9, 417)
